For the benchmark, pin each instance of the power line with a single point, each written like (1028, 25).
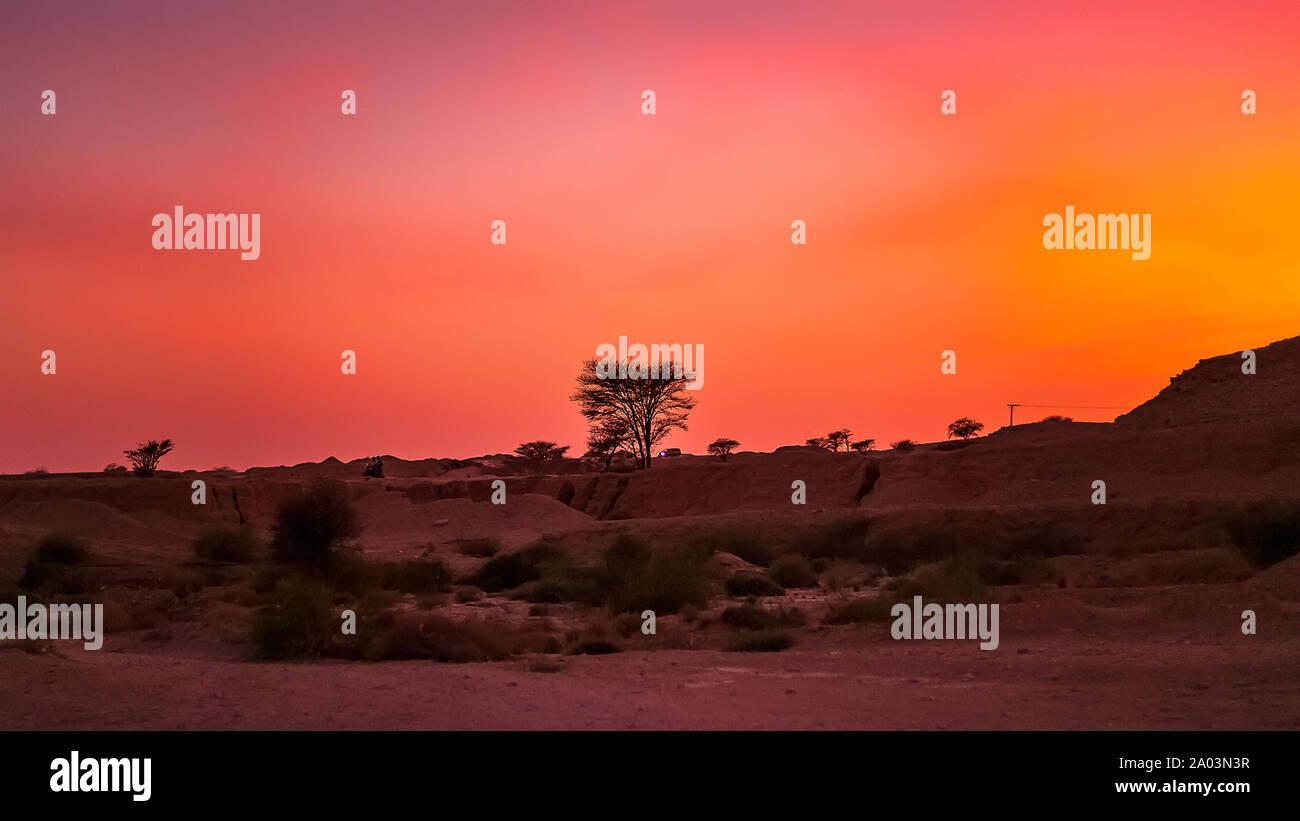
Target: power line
(1011, 406)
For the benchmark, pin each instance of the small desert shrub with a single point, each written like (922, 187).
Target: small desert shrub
(378, 600)
(312, 525)
(594, 647)
(509, 570)
(418, 576)
(298, 622)
(753, 617)
(956, 580)
(747, 583)
(350, 574)
(50, 566)
(374, 616)
(480, 548)
(1212, 566)
(562, 582)
(468, 594)
(1021, 570)
(60, 548)
(627, 624)
(418, 636)
(903, 445)
(266, 577)
(1042, 542)
(1266, 533)
(535, 638)
(841, 577)
(46, 577)
(843, 539)
(900, 550)
(761, 641)
(793, 570)
(226, 543)
(665, 580)
(737, 541)
(852, 611)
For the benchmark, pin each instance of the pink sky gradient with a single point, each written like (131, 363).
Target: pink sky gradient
(924, 231)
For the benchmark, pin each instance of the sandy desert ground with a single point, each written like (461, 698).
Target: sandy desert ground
(1139, 627)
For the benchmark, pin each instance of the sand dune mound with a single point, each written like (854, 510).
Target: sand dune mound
(1215, 391)
(393, 522)
(1282, 579)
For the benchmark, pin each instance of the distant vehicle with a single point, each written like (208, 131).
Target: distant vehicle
(671, 452)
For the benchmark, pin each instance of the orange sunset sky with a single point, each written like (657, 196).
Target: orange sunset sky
(924, 231)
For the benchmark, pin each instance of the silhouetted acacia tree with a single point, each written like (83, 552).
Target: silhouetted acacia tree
(607, 437)
(818, 442)
(536, 456)
(145, 457)
(965, 428)
(864, 445)
(722, 447)
(650, 406)
(839, 437)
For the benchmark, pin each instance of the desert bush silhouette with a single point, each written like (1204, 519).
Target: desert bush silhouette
(312, 525)
(964, 428)
(665, 580)
(417, 576)
(761, 641)
(536, 457)
(49, 568)
(793, 570)
(145, 457)
(414, 636)
(722, 447)
(755, 617)
(509, 570)
(298, 622)
(748, 583)
(225, 543)
(842, 539)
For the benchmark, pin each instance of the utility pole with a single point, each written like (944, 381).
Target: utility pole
(1013, 406)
